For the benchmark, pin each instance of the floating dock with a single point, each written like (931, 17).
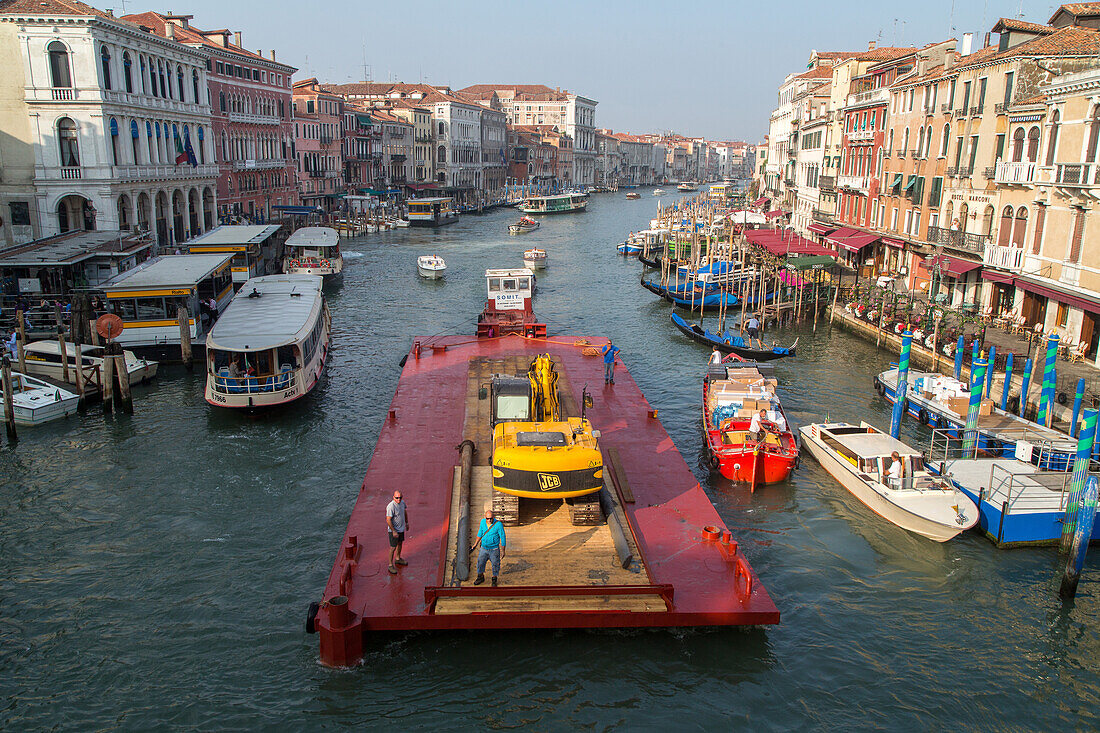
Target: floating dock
(686, 569)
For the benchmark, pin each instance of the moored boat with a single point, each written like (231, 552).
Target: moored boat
(730, 343)
(733, 393)
(431, 212)
(535, 258)
(43, 358)
(313, 251)
(431, 267)
(564, 203)
(860, 459)
(523, 226)
(271, 344)
(36, 402)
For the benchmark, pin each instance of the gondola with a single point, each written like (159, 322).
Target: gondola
(729, 346)
(653, 287)
(655, 263)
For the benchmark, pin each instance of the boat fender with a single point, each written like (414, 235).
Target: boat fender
(311, 617)
(404, 359)
(880, 387)
(1014, 403)
(922, 416)
(713, 461)
(1062, 399)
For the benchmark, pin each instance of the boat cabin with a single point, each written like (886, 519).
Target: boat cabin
(271, 344)
(255, 248)
(313, 251)
(562, 203)
(508, 308)
(869, 451)
(146, 298)
(431, 212)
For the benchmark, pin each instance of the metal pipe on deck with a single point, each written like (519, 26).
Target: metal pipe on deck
(462, 550)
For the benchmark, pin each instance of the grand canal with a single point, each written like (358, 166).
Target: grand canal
(155, 569)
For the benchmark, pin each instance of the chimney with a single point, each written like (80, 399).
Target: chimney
(968, 42)
(870, 45)
(272, 54)
(225, 40)
(237, 39)
(170, 31)
(987, 35)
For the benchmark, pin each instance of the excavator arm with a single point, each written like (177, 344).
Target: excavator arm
(544, 389)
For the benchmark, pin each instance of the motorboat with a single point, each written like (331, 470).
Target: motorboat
(733, 392)
(535, 258)
(431, 212)
(43, 358)
(634, 195)
(35, 401)
(431, 267)
(523, 226)
(271, 344)
(859, 458)
(687, 186)
(658, 192)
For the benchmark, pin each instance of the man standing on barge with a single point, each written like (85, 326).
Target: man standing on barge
(397, 522)
(490, 535)
(609, 353)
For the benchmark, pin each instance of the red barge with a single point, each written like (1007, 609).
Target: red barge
(662, 558)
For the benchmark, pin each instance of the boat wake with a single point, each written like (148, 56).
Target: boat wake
(352, 255)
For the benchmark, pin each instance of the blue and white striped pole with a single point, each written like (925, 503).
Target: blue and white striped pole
(1008, 381)
(977, 380)
(1046, 397)
(902, 390)
(959, 357)
(1080, 473)
(989, 371)
(1029, 365)
(1086, 518)
(1077, 406)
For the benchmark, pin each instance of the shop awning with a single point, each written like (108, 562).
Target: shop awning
(760, 202)
(856, 242)
(952, 266)
(998, 277)
(1059, 295)
(820, 228)
(841, 234)
(776, 214)
(810, 262)
(898, 243)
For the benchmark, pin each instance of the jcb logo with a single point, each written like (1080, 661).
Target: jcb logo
(548, 481)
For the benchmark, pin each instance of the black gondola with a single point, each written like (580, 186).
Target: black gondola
(654, 288)
(696, 333)
(654, 263)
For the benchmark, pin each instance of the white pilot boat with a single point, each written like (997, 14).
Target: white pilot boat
(859, 457)
(431, 267)
(36, 402)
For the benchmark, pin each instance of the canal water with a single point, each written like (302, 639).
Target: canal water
(155, 570)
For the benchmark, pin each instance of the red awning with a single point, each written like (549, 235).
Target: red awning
(893, 242)
(842, 233)
(856, 242)
(953, 266)
(1060, 296)
(760, 202)
(820, 228)
(998, 277)
(777, 213)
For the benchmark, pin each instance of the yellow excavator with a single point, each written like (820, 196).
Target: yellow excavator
(537, 454)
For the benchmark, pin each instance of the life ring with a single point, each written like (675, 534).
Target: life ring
(922, 416)
(311, 617)
(1062, 398)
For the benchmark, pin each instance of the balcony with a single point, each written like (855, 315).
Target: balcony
(959, 113)
(64, 95)
(1014, 172)
(826, 183)
(1078, 175)
(858, 183)
(822, 215)
(326, 139)
(789, 182)
(254, 119)
(961, 241)
(861, 135)
(1000, 108)
(871, 96)
(975, 111)
(1006, 258)
(945, 108)
(71, 173)
(915, 152)
(901, 153)
(965, 171)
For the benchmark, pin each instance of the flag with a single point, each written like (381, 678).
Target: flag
(181, 154)
(503, 160)
(190, 152)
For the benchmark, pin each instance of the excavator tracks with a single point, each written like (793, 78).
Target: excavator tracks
(585, 511)
(506, 508)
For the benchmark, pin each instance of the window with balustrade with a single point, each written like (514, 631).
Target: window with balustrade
(67, 143)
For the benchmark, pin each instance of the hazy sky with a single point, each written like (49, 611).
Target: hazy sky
(699, 68)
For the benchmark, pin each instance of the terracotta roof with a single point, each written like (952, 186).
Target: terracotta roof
(1015, 24)
(50, 7)
(193, 36)
(818, 72)
(1068, 41)
(1077, 9)
(486, 90)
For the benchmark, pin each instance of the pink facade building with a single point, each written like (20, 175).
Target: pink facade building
(319, 136)
(252, 125)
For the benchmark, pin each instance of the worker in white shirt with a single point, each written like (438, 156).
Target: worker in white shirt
(715, 356)
(894, 472)
(756, 426)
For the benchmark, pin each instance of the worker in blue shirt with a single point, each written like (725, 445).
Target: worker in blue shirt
(609, 352)
(490, 535)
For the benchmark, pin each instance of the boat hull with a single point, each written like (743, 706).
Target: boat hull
(440, 222)
(873, 500)
(695, 333)
(430, 274)
(571, 210)
(39, 412)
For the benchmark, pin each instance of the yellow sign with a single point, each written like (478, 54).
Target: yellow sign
(548, 481)
(155, 324)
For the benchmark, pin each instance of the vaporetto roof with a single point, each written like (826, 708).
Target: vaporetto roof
(314, 237)
(284, 312)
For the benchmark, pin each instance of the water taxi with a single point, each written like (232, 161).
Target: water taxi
(43, 358)
(36, 402)
(859, 457)
(633, 195)
(431, 212)
(733, 392)
(313, 251)
(523, 226)
(658, 192)
(687, 186)
(271, 345)
(564, 203)
(431, 267)
(535, 258)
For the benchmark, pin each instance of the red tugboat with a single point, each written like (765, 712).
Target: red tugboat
(733, 392)
(650, 552)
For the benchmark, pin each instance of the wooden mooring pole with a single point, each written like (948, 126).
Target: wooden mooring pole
(9, 400)
(185, 336)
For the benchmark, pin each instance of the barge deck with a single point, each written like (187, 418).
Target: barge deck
(686, 569)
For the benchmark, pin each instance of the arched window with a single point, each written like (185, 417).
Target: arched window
(195, 84)
(1019, 227)
(67, 144)
(1033, 144)
(105, 61)
(59, 65)
(945, 140)
(127, 72)
(1018, 145)
(890, 139)
(1052, 142)
(1004, 234)
(135, 135)
(905, 140)
(221, 101)
(202, 153)
(179, 82)
(141, 71)
(124, 212)
(920, 142)
(928, 142)
(442, 128)
(987, 220)
(442, 152)
(165, 90)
